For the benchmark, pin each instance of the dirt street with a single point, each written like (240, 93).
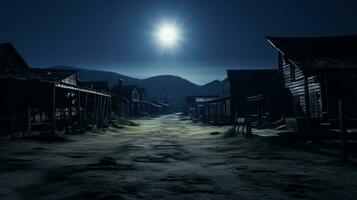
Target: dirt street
(169, 158)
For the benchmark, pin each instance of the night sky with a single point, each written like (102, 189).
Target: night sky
(117, 35)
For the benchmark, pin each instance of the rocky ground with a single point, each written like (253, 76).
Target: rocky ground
(169, 158)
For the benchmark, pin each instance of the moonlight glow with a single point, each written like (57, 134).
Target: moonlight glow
(167, 35)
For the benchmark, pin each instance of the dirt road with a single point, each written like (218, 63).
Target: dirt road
(169, 158)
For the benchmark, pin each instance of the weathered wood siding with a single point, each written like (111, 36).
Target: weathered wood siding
(293, 78)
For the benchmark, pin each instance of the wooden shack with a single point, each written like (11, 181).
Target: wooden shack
(144, 105)
(131, 93)
(217, 110)
(244, 86)
(195, 106)
(319, 71)
(120, 105)
(41, 101)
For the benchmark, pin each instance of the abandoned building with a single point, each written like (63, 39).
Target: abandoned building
(257, 94)
(131, 93)
(319, 72)
(42, 101)
(138, 104)
(195, 106)
(217, 110)
(119, 104)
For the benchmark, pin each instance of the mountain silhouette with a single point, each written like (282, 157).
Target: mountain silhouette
(170, 87)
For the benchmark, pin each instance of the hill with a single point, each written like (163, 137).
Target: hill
(174, 88)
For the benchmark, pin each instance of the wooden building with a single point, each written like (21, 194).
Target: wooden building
(319, 71)
(217, 110)
(144, 107)
(257, 94)
(195, 106)
(120, 105)
(130, 92)
(42, 101)
(139, 104)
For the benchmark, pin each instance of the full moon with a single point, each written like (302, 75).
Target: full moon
(167, 35)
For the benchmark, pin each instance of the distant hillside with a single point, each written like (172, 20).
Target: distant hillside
(174, 88)
(215, 87)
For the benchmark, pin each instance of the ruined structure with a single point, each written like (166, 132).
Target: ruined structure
(257, 94)
(45, 101)
(319, 72)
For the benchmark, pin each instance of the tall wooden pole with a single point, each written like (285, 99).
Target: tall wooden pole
(216, 113)
(28, 119)
(86, 106)
(104, 107)
(79, 109)
(307, 95)
(101, 109)
(343, 133)
(110, 108)
(96, 109)
(53, 111)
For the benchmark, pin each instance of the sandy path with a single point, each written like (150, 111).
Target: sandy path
(166, 158)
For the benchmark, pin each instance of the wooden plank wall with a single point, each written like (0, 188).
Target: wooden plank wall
(293, 78)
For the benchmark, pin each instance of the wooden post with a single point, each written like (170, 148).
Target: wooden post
(100, 108)
(223, 112)
(79, 110)
(324, 94)
(40, 111)
(109, 112)
(86, 106)
(104, 107)
(307, 95)
(343, 133)
(248, 126)
(29, 120)
(105, 102)
(95, 109)
(209, 112)
(216, 113)
(355, 94)
(307, 103)
(53, 111)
